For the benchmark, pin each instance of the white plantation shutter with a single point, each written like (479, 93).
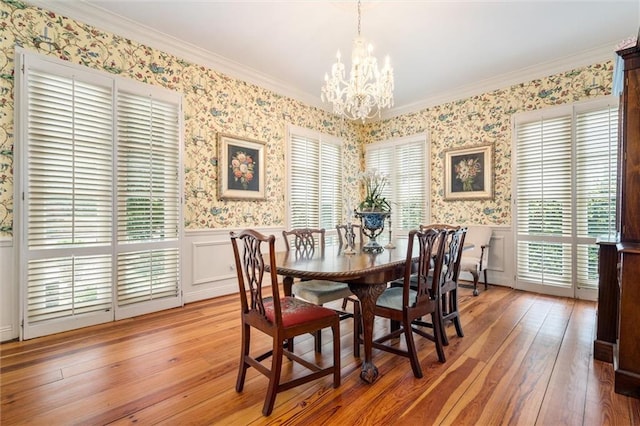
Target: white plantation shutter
(148, 199)
(70, 264)
(544, 200)
(70, 157)
(314, 180)
(330, 185)
(304, 180)
(596, 169)
(565, 177)
(403, 161)
(67, 199)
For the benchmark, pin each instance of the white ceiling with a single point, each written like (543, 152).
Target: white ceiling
(440, 50)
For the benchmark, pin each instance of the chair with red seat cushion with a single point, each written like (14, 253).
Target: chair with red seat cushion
(305, 242)
(282, 318)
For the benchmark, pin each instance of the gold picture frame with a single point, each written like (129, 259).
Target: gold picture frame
(468, 173)
(241, 168)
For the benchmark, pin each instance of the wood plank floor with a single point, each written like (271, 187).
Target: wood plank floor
(526, 359)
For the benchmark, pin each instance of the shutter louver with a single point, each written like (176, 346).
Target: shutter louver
(67, 287)
(596, 168)
(148, 198)
(147, 275)
(148, 193)
(70, 155)
(304, 182)
(315, 181)
(410, 186)
(330, 186)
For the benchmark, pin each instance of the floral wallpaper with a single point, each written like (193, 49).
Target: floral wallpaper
(215, 103)
(486, 119)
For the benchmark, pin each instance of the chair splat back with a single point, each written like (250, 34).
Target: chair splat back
(455, 244)
(351, 231)
(253, 271)
(305, 240)
(418, 274)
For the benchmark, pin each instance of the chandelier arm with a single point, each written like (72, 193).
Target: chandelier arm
(367, 90)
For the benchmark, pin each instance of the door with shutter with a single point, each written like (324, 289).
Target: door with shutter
(98, 190)
(67, 196)
(564, 196)
(148, 203)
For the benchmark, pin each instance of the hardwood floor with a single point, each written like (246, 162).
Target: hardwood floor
(525, 359)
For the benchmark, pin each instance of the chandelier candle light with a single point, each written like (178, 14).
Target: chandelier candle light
(368, 89)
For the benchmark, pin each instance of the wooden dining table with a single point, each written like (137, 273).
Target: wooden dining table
(366, 273)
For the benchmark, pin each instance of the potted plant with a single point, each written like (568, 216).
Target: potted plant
(374, 209)
(374, 183)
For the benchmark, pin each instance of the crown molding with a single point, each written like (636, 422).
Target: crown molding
(108, 21)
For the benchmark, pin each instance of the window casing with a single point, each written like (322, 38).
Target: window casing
(98, 184)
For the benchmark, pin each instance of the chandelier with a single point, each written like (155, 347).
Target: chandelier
(368, 89)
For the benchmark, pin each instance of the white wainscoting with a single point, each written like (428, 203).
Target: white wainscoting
(501, 266)
(208, 264)
(208, 269)
(9, 302)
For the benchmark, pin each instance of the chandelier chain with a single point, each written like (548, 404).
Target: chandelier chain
(359, 15)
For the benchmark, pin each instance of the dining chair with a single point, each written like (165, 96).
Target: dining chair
(415, 299)
(343, 240)
(358, 235)
(475, 260)
(282, 318)
(453, 246)
(305, 241)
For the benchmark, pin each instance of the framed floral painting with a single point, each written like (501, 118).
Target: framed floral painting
(468, 173)
(241, 173)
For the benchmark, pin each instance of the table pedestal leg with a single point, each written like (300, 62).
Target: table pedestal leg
(287, 284)
(368, 295)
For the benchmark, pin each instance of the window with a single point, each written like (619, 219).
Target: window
(314, 180)
(406, 163)
(565, 184)
(99, 184)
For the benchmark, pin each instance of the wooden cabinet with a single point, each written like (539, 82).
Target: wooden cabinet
(626, 359)
(629, 149)
(626, 351)
(608, 301)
